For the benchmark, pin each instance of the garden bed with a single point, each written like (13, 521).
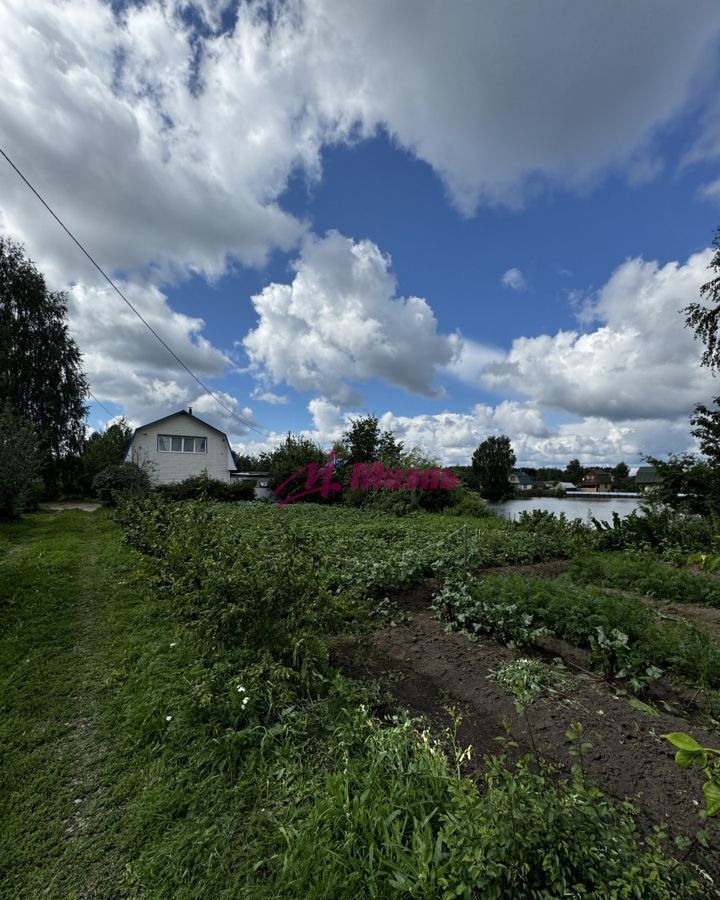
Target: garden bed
(425, 669)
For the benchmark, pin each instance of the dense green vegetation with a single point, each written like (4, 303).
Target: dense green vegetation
(20, 482)
(188, 704)
(644, 573)
(41, 377)
(336, 549)
(622, 633)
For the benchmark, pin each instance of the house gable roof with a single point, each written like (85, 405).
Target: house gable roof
(647, 475)
(597, 476)
(522, 477)
(180, 412)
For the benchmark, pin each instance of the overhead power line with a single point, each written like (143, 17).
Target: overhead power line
(102, 406)
(112, 284)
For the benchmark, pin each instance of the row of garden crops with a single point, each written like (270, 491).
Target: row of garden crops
(330, 802)
(626, 638)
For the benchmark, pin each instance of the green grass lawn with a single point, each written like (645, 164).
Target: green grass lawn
(86, 678)
(116, 780)
(53, 585)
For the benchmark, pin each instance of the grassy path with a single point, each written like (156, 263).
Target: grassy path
(66, 591)
(67, 598)
(109, 784)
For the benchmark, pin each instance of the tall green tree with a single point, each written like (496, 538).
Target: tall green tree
(104, 449)
(365, 441)
(246, 462)
(706, 422)
(574, 471)
(290, 457)
(704, 317)
(41, 374)
(621, 477)
(20, 483)
(493, 462)
(688, 483)
(546, 473)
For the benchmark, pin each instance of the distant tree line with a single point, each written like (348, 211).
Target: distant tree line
(45, 449)
(494, 461)
(363, 441)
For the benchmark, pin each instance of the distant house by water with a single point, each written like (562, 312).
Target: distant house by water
(520, 480)
(646, 477)
(596, 481)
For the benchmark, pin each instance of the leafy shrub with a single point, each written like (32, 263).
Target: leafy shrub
(544, 520)
(102, 450)
(656, 528)
(145, 520)
(127, 479)
(571, 534)
(466, 502)
(456, 501)
(531, 835)
(397, 503)
(202, 487)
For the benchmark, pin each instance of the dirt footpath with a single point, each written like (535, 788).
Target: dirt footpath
(60, 505)
(424, 669)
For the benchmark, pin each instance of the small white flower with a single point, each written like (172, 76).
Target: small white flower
(174, 644)
(241, 689)
(245, 701)
(168, 718)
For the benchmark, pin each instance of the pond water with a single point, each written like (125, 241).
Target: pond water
(602, 508)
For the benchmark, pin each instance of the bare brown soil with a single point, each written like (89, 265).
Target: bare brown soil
(550, 568)
(424, 669)
(706, 616)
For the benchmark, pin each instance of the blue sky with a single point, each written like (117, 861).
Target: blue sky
(273, 192)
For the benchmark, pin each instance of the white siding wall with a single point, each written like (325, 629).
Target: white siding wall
(172, 466)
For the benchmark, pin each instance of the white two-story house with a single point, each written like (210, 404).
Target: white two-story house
(180, 445)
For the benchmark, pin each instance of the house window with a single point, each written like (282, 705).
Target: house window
(178, 443)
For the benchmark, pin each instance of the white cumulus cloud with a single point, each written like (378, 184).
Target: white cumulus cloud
(451, 437)
(500, 102)
(340, 321)
(126, 364)
(170, 146)
(639, 363)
